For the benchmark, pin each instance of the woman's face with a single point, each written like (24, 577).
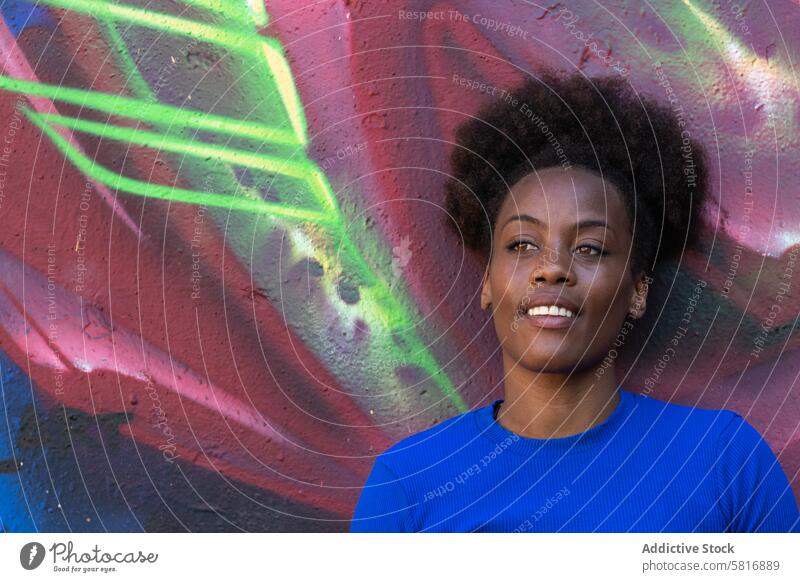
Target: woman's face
(562, 238)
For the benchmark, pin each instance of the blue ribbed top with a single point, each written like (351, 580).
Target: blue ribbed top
(651, 466)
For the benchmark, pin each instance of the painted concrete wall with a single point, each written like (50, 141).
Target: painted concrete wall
(224, 283)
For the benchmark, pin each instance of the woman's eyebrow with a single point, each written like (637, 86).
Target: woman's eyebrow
(593, 222)
(525, 218)
(588, 223)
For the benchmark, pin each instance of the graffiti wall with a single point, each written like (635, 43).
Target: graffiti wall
(225, 284)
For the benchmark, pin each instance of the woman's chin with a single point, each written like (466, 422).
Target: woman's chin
(548, 363)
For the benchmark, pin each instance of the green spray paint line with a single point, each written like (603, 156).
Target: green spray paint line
(305, 171)
(218, 35)
(141, 90)
(149, 111)
(140, 87)
(247, 44)
(149, 190)
(232, 11)
(279, 66)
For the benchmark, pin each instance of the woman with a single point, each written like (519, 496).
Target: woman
(574, 190)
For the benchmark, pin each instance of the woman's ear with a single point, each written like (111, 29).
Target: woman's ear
(486, 291)
(639, 299)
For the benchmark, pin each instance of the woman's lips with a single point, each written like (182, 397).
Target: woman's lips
(550, 321)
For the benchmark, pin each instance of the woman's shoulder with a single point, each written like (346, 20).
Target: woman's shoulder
(685, 425)
(673, 415)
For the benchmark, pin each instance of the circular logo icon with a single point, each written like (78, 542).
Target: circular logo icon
(31, 555)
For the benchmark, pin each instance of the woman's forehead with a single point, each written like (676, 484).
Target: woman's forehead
(558, 195)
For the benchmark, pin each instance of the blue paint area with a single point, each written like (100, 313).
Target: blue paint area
(20, 14)
(14, 398)
(103, 482)
(53, 473)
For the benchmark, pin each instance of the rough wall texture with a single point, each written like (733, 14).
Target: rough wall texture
(224, 283)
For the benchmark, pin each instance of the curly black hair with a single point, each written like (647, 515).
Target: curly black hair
(601, 124)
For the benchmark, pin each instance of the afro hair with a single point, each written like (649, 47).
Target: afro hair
(600, 124)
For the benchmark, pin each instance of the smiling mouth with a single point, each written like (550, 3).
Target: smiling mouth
(550, 310)
(551, 317)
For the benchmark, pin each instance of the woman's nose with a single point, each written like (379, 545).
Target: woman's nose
(551, 269)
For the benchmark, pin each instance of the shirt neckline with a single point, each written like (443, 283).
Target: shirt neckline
(494, 431)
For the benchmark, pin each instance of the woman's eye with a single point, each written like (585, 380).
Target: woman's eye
(591, 250)
(515, 245)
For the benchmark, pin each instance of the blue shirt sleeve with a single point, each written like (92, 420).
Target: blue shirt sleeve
(754, 492)
(383, 505)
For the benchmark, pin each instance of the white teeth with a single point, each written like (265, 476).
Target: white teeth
(550, 310)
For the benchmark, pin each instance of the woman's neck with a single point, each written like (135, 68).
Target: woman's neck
(541, 405)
